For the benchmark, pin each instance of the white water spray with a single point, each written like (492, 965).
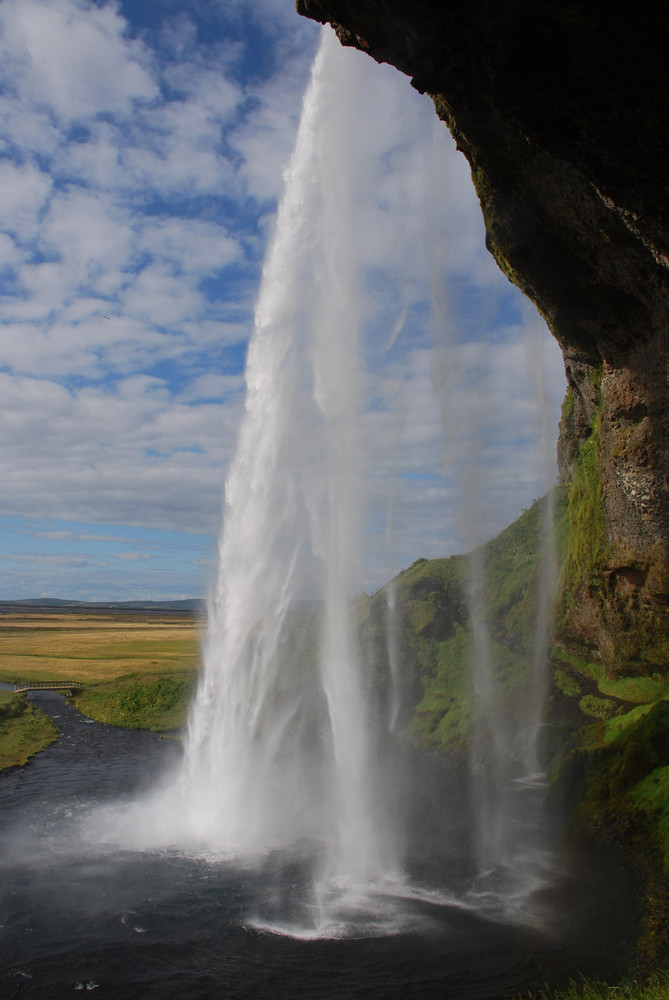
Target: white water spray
(275, 752)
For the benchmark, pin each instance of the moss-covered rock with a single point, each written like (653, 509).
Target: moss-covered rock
(616, 781)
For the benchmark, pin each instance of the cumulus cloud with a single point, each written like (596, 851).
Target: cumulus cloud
(73, 58)
(139, 173)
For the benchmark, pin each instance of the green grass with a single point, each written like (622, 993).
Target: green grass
(24, 730)
(157, 703)
(443, 716)
(654, 988)
(432, 600)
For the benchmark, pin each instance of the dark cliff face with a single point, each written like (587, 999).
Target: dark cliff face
(562, 110)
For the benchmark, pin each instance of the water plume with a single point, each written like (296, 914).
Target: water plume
(278, 745)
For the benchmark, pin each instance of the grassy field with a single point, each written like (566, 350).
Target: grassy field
(138, 669)
(95, 647)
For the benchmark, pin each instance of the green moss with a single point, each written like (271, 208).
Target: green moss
(567, 412)
(621, 780)
(584, 531)
(640, 690)
(615, 727)
(594, 671)
(599, 708)
(566, 683)
(651, 795)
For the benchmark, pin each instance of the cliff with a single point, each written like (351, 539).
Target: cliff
(561, 110)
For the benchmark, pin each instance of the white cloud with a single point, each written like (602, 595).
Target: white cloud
(48, 559)
(212, 387)
(131, 456)
(92, 239)
(189, 246)
(140, 186)
(72, 57)
(23, 193)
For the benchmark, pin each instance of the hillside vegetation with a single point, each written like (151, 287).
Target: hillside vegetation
(606, 725)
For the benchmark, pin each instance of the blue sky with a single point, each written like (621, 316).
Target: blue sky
(142, 145)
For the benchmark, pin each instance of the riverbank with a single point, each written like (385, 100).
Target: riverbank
(138, 668)
(24, 730)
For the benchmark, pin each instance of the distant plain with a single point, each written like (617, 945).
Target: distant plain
(138, 668)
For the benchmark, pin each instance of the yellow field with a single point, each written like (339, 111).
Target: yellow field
(93, 647)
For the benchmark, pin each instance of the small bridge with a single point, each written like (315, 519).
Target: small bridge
(66, 687)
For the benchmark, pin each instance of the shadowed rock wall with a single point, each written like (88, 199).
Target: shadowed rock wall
(562, 110)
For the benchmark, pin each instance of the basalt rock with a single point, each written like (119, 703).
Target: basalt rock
(562, 111)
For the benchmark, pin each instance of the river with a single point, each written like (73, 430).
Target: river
(78, 916)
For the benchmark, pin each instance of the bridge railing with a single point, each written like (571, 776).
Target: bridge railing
(48, 685)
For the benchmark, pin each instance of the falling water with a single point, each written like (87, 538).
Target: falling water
(277, 750)
(507, 785)
(548, 567)
(508, 775)
(283, 749)
(491, 740)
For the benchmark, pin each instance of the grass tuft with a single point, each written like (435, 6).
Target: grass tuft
(656, 987)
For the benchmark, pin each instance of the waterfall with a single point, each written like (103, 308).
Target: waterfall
(278, 748)
(290, 748)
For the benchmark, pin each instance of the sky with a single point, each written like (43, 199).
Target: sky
(142, 151)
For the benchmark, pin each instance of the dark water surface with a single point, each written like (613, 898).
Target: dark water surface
(76, 917)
